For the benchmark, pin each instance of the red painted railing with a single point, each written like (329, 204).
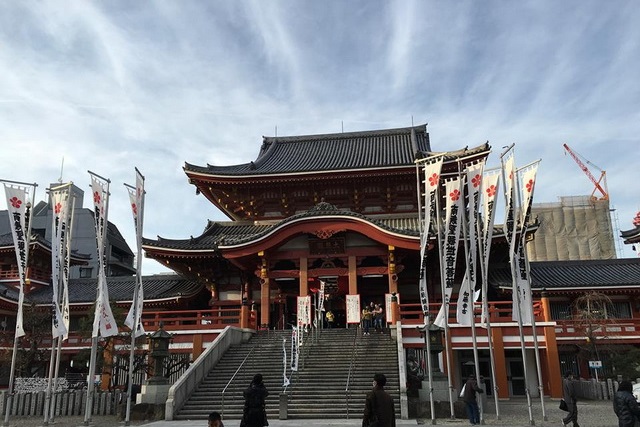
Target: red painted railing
(216, 318)
(499, 311)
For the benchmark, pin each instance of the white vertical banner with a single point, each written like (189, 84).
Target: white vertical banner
(59, 215)
(17, 200)
(523, 280)
(353, 308)
(304, 311)
(66, 314)
(295, 348)
(136, 199)
(285, 379)
(490, 190)
(104, 323)
(432, 172)
(509, 172)
(453, 207)
(464, 313)
(321, 296)
(443, 314)
(431, 184)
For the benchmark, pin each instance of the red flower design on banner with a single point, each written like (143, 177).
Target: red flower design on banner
(15, 202)
(57, 208)
(134, 208)
(529, 186)
(491, 191)
(433, 179)
(96, 197)
(476, 180)
(455, 195)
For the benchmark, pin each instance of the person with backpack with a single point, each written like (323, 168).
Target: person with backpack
(255, 413)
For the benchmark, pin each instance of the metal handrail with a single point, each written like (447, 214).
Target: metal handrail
(234, 376)
(347, 391)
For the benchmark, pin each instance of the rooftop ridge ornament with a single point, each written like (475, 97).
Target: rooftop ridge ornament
(323, 206)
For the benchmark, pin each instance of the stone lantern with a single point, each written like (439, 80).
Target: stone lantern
(159, 346)
(440, 384)
(156, 389)
(436, 335)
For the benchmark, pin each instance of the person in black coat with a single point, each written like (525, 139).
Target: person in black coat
(378, 405)
(255, 413)
(625, 405)
(569, 396)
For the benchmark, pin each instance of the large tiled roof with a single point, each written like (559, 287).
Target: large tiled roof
(590, 274)
(229, 233)
(156, 287)
(331, 152)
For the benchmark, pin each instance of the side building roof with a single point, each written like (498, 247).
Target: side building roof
(157, 288)
(575, 275)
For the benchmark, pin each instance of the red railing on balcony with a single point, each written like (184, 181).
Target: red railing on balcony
(499, 311)
(192, 319)
(609, 329)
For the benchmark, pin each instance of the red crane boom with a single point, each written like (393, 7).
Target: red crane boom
(585, 169)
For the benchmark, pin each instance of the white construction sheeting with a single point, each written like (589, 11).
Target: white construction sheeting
(575, 228)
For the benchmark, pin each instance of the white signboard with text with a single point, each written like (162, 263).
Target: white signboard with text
(353, 308)
(304, 310)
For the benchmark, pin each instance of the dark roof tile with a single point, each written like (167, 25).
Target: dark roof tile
(156, 287)
(340, 151)
(594, 274)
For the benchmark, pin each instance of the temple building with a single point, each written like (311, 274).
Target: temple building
(341, 212)
(341, 208)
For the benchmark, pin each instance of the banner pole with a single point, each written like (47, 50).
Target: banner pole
(14, 354)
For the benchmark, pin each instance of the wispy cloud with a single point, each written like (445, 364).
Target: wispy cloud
(113, 85)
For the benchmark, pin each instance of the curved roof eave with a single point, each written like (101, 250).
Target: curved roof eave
(285, 230)
(287, 175)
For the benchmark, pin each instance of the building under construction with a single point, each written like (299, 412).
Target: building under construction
(575, 228)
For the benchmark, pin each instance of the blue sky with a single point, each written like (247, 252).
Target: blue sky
(113, 85)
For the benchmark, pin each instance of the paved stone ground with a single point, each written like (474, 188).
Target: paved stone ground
(512, 413)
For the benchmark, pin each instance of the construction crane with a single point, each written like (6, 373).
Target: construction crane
(600, 184)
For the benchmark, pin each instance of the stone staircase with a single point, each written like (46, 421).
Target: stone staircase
(317, 390)
(320, 388)
(261, 354)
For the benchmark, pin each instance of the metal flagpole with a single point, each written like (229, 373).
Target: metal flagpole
(465, 223)
(136, 321)
(427, 322)
(424, 234)
(485, 310)
(447, 343)
(64, 279)
(52, 362)
(56, 343)
(533, 317)
(94, 340)
(16, 337)
(484, 255)
(515, 286)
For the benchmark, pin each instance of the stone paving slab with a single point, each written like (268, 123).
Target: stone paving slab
(513, 413)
